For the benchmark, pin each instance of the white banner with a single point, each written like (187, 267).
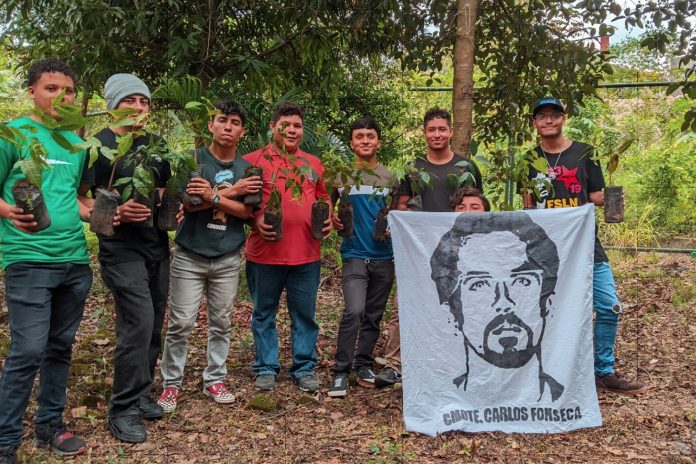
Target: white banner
(496, 320)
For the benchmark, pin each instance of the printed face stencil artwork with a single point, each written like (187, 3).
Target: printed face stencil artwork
(496, 274)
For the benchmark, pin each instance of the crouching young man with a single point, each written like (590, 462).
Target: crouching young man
(208, 257)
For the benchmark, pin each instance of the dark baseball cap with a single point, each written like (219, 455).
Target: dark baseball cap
(548, 101)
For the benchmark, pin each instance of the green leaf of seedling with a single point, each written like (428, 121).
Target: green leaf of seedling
(108, 153)
(540, 164)
(93, 156)
(122, 113)
(71, 118)
(45, 118)
(473, 147)
(612, 164)
(31, 171)
(425, 177)
(122, 181)
(128, 192)
(38, 154)
(123, 122)
(466, 179)
(143, 180)
(127, 163)
(143, 191)
(125, 142)
(12, 135)
(62, 141)
(624, 146)
(452, 181)
(87, 144)
(306, 170)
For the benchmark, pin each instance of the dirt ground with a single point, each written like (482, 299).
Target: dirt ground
(656, 345)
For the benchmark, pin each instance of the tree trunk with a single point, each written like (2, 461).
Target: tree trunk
(206, 44)
(85, 104)
(463, 82)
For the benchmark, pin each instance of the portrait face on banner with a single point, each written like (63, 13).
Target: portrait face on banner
(490, 281)
(496, 276)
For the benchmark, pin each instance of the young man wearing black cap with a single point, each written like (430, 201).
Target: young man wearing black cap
(47, 274)
(134, 265)
(577, 178)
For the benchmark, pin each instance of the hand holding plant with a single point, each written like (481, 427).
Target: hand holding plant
(200, 187)
(133, 212)
(246, 186)
(23, 222)
(266, 230)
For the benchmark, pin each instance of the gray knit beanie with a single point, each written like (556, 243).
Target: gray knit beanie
(120, 86)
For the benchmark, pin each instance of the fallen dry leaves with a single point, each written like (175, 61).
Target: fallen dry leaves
(656, 344)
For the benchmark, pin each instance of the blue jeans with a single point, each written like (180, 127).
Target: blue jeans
(266, 283)
(607, 307)
(45, 304)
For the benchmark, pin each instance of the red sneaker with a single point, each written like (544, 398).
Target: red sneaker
(168, 399)
(219, 393)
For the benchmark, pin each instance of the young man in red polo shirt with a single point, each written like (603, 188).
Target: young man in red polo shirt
(291, 263)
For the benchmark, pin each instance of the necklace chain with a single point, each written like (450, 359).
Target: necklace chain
(551, 173)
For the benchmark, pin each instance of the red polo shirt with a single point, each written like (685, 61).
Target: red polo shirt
(297, 245)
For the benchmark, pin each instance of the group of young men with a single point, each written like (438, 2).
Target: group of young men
(48, 277)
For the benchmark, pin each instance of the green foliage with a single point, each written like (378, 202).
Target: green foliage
(70, 119)
(388, 451)
(657, 172)
(262, 46)
(274, 199)
(181, 164)
(143, 178)
(189, 99)
(33, 166)
(462, 179)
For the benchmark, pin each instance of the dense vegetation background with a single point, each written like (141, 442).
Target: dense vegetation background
(343, 60)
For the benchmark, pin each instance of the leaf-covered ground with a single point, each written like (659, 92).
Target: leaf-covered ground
(656, 344)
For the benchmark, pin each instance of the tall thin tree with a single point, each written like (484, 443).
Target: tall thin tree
(463, 81)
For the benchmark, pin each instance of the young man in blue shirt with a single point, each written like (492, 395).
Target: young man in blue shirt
(368, 264)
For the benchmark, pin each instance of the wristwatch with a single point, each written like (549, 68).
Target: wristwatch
(215, 199)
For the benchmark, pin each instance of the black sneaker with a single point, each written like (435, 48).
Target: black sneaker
(614, 382)
(128, 428)
(366, 377)
(339, 386)
(8, 455)
(58, 439)
(387, 376)
(149, 409)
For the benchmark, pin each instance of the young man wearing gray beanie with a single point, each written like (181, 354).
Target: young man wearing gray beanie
(134, 265)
